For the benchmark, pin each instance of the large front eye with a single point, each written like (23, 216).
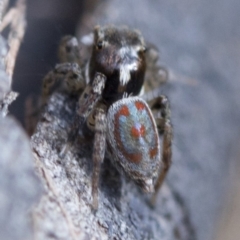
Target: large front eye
(99, 45)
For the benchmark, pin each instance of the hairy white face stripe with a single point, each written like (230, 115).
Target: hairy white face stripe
(125, 72)
(129, 50)
(127, 66)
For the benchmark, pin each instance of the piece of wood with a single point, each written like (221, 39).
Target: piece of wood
(65, 210)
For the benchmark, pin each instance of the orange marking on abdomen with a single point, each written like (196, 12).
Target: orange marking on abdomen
(135, 157)
(124, 111)
(136, 132)
(139, 105)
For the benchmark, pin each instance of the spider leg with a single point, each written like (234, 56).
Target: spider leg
(91, 95)
(98, 152)
(155, 75)
(86, 103)
(68, 70)
(165, 129)
(69, 50)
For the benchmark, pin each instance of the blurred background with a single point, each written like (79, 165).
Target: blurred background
(47, 22)
(199, 42)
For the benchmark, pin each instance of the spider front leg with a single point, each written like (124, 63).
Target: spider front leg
(163, 122)
(69, 50)
(70, 73)
(68, 70)
(98, 152)
(155, 75)
(86, 103)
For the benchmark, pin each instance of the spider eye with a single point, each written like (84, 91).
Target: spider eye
(99, 45)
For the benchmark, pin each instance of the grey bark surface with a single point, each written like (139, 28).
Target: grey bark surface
(19, 186)
(5, 86)
(65, 211)
(4, 83)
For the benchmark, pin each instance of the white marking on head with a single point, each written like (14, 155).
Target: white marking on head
(128, 50)
(126, 68)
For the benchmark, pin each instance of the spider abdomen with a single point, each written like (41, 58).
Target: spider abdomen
(133, 138)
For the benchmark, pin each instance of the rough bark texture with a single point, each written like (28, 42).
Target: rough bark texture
(4, 83)
(19, 186)
(65, 211)
(5, 87)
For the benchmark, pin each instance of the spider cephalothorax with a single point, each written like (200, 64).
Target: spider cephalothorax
(108, 85)
(118, 54)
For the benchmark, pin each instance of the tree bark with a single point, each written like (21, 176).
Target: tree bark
(65, 211)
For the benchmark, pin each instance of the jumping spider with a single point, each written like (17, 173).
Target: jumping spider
(110, 84)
